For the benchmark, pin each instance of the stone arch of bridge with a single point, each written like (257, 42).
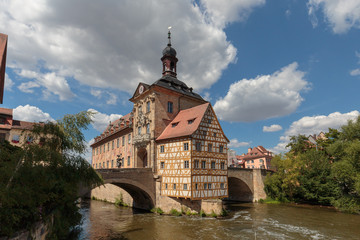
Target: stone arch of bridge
(143, 197)
(239, 190)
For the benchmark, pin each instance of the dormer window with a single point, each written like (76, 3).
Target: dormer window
(174, 124)
(191, 121)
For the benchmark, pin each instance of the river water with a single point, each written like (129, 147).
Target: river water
(105, 221)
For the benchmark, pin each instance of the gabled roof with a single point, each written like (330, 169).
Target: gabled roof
(3, 46)
(180, 126)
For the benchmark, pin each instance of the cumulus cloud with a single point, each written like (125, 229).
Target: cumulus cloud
(341, 15)
(8, 83)
(263, 97)
(234, 143)
(62, 40)
(272, 128)
(101, 120)
(31, 114)
(221, 13)
(52, 83)
(314, 125)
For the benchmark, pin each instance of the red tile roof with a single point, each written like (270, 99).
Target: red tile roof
(6, 111)
(3, 45)
(183, 128)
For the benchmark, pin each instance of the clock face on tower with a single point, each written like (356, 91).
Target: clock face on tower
(141, 89)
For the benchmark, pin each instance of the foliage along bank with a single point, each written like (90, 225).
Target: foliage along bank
(327, 173)
(39, 182)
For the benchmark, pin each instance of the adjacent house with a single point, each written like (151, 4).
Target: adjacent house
(257, 157)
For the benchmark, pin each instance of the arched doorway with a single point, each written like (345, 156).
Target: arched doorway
(142, 158)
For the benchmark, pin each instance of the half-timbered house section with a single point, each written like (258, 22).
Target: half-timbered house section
(113, 148)
(192, 155)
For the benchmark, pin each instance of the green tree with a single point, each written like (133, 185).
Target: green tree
(42, 180)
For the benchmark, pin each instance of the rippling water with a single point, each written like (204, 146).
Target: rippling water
(246, 221)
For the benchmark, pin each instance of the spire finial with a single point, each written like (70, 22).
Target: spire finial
(169, 36)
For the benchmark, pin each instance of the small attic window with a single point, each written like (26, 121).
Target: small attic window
(174, 124)
(191, 121)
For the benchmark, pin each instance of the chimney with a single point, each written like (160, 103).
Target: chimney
(249, 150)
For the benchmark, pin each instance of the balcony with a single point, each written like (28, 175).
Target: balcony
(141, 140)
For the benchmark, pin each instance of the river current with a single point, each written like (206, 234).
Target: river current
(105, 221)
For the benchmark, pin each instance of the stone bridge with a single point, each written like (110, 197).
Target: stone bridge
(140, 183)
(246, 185)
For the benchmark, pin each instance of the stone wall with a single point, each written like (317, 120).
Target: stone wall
(111, 192)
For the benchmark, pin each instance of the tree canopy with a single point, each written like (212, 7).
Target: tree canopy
(41, 179)
(327, 173)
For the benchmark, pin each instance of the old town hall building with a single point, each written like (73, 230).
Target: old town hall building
(172, 130)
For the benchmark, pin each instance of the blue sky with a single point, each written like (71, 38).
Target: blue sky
(271, 69)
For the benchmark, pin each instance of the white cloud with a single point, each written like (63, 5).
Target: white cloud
(31, 114)
(288, 13)
(112, 99)
(8, 83)
(96, 93)
(234, 143)
(341, 15)
(72, 39)
(221, 13)
(101, 120)
(27, 87)
(314, 125)
(355, 72)
(263, 97)
(52, 82)
(272, 128)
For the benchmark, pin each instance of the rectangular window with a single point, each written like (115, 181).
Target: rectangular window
(198, 146)
(170, 107)
(186, 164)
(107, 164)
(96, 165)
(118, 143)
(252, 161)
(213, 165)
(162, 165)
(100, 150)
(186, 146)
(148, 128)
(214, 134)
(174, 186)
(196, 164)
(123, 140)
(196, 186)
(203, 164)
(221, 149)
(112, 145)
(104, 147)
(128, 163)
(222, 165)
(103, 164)
(209, 185)
(185, 186)
(108, 146)
(162, 148)
(139, 109)
(222, 186)
(139, 130)
(15, 139)
(148, 107)
(209, 120)
(112, 163)
(129, 138)
(209, 147)
(205, 185)
(165, 185)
